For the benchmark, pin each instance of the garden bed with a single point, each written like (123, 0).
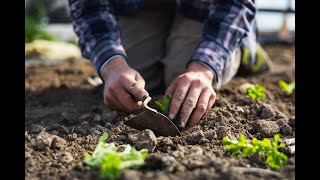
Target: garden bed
(65, 116)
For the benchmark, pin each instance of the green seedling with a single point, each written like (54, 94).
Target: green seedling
(265, 148)
(164, 103)
(111, 161)
(256, 93)
(288, 88)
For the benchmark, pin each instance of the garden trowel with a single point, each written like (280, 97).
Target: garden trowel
(151, 119)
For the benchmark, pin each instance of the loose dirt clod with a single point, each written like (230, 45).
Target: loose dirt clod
(163, 162)
(210, 134)
(285, 129)
(281, 122)
(225, 131)
(266, 128)
(35, 128)
(66, 158)
(144, 139)
(195, 151)
(58, 142)
(196, 137)
(164, 141)
(292, 121)
(71, 116)
(44, 140)
(109, 116)
(267, 112)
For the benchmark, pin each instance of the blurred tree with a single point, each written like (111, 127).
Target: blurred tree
(54, 11)
(35, 9)
(35, 19)
(58, 11)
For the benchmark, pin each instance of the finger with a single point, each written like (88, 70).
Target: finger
(133, 87)
(126, 100)
(140, 80)
(178, 97)
(171, 88)
(211, 102)
(189, 103)
(111, 102)
(200, 109)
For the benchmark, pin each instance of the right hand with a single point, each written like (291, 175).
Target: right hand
(123, 86)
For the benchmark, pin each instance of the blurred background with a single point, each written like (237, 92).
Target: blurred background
(50, 20)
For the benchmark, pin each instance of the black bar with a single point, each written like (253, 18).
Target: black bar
(277, 10)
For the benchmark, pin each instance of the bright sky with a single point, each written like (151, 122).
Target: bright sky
(273, 21)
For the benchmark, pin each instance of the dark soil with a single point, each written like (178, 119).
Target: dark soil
(65, 116)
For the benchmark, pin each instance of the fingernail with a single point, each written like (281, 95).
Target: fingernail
(181, 124)
(171, 116)
(143, 96)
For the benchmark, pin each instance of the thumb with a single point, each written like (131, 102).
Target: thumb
(140, 80)
(136, 88)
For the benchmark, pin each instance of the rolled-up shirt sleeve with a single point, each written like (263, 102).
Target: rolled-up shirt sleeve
(95, 24)
(227, 23)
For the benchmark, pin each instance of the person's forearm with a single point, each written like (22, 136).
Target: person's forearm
(115, 64)
(97, 29)
(228, 22)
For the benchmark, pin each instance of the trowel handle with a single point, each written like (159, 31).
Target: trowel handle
(145, 104)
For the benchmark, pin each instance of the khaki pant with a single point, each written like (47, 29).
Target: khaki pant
(159, 43)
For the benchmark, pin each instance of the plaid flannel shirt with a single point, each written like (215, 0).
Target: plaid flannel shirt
(226, 22)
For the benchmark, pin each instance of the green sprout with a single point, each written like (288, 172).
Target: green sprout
(111, 161)
(256, 92)
(287, 87)
(265, 148)
(164, 103)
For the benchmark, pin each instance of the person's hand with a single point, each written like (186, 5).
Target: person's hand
(123, 86)
(192, 94)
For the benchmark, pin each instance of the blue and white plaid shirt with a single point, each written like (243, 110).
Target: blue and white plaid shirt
(226, 22)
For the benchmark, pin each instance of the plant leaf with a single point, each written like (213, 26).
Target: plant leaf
(111, 161)
(164, 103)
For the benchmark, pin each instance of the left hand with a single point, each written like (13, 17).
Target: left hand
(192, 92)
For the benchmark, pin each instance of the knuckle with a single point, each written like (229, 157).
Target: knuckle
(185, 77)
(112, 88)
(191, 102)
(197, 82)
(202, 108)
(179, 96)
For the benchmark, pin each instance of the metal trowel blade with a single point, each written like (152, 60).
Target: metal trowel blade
(151, 119)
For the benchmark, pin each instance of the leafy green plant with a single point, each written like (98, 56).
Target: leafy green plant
(256, 92)
(164, 103)
(111, 161)
(34, 29)
(265, 148)
(287, 87)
